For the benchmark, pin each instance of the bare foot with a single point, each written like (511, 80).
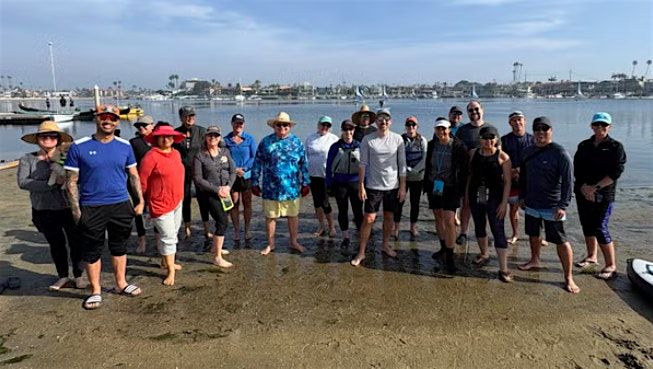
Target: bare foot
(389, 251)
(140, 249)
(268, 249)
(319, 233)
(59, 284)
(332, 233)
(248, 235)
(236, 235)
(163, 266)
(297, 247)
(357, 260)
(531, 265)
(571, 287)
(513, 239)
(222, 263)
(169, 281)
(414, 232)
(187, 233)
(544, 243)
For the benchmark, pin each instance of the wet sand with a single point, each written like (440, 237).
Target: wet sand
(316, 311)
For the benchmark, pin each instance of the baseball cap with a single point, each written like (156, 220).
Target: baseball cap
(488, 130)
(602, 117)
(185, 111)
(237, 118)
(212, 129)
(347, 123)
(145, 120)
(456, 110)
(325, 119)
(107, 109)
(516, 113)
(442, 123)
(385, 111)
(542, 120)
(412, 119)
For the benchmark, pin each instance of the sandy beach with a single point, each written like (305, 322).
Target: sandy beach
(316, 311)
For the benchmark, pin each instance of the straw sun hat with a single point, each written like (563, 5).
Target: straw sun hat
(356, 117)
(281, 117)
(47, 127)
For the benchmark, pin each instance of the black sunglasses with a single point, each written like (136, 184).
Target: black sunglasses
(600, 124)
(474, 110)
(488, 137)
(284, 125)
(541, 128)
(213, 135)
(411, 124)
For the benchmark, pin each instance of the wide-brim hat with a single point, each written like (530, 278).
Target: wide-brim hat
(47, 127)
(281, 117)
(161, 130)
(356, 117)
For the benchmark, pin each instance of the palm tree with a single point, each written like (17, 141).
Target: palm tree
(634, 65)
(9, 79)
(648, 65)
(2, 83)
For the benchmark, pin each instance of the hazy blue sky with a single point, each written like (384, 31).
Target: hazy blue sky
(328, 41)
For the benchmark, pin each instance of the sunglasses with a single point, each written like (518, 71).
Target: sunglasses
(441, 128)
(488, 137)
(471, 110)
(48, 136)
(365, 115)
(411, 124)
(328, 125)
(600, 124)
(282, 125)
(107, 116)
(347, 129)
(383, 119)
(213, 135)
(541, 128)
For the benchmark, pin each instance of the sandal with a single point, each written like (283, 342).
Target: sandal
(607, 275)
(92, 302)
(130, 290)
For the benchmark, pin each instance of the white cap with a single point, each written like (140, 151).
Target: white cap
(442, 123)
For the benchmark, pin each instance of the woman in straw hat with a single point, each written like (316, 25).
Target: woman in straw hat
(162, 182)
(214, 174)
(363, 119)
(51, 212)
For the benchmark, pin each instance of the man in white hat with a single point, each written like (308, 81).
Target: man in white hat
(97, 169)
(382, 179)
(280, 176)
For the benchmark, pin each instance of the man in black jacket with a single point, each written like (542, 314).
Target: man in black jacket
(188, 149)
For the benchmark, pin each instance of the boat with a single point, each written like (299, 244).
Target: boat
(45, 114)
(640, 273)
(26, 118)
(8, 164)
(579, 94)
(474, 95)
(131, 111)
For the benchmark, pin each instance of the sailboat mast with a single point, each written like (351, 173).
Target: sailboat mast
(54, 80)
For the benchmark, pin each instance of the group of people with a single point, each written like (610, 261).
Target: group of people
(467, 169)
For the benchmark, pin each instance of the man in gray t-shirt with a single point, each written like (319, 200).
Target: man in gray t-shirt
(469, 134)
(382, 178)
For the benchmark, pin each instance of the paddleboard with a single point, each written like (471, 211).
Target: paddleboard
(9, 165)
(640, 273)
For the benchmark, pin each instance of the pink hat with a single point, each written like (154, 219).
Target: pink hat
(164, 131)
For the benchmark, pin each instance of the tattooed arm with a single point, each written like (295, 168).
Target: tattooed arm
(73, 194)
(135, 183)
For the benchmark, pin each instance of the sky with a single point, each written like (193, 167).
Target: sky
(320, 41)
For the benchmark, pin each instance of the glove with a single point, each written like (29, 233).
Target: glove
(256, 191)
(305, 191)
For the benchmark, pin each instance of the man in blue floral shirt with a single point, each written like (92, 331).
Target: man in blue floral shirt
(281, 169)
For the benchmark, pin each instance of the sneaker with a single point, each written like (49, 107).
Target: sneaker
(462, 239)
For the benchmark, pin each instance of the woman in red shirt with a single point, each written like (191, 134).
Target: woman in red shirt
(162, 181)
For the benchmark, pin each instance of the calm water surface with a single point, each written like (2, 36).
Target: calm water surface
(633, 122)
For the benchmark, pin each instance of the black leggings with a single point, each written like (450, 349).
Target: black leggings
(56, 226)
(488, 212)
(201, 201)
(348, 192)
(214, 206)
(319, 192)
(415, 190)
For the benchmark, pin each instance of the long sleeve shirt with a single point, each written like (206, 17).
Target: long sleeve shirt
(317, 149)
(280, 167)
(243, 153)
(209, 172)
(415, 156)
(546, 178)
(33, 175)
(162, 180)
(191, 146)
(593, 163)
(384, 159)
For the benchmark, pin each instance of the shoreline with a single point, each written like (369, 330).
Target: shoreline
(315, 310)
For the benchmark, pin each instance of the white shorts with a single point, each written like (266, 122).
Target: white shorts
(168, 225)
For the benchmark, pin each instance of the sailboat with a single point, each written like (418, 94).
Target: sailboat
(579, 94)
(474, 95)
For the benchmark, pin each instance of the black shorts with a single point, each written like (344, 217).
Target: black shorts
(241, 185)
(554, 230)
(448, 200)
(594, 218)
(319, 193)
(115, 220)
(375, 197)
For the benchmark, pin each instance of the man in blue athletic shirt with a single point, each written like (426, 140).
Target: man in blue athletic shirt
(97, 168)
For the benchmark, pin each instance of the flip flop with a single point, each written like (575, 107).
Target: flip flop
(130, 290)
(607, 276)
(585, 263)
(92, 302)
